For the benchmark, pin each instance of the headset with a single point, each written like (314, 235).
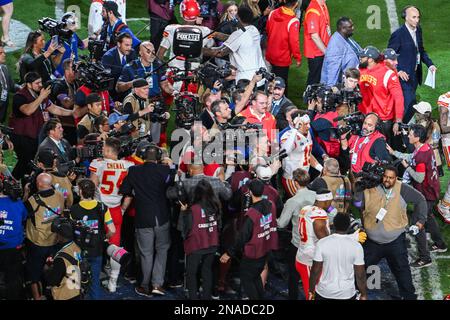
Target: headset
(378, 126)
(152, 146)
(409, 7)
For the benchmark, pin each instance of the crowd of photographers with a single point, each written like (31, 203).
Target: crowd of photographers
(246, 183)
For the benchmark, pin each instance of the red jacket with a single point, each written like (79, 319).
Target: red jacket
(382, 92)
(283, 42)
(268, 122)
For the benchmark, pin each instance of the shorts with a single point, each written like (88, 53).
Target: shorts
(36, 257)
(117, 217)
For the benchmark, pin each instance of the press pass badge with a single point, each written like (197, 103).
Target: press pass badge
(4, 95)
(381, 214)
(354, 158)
(150, 81)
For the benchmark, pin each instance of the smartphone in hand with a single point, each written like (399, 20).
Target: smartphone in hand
(55, 40)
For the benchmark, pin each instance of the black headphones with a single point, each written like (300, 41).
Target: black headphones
(378, 126)
(408, 7)
(152, 146)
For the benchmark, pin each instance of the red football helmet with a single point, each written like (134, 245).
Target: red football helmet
(189, 10)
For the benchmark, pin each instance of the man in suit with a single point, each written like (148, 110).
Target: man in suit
(407, 41)
(55, 141)
(117, 58)
(279, 103)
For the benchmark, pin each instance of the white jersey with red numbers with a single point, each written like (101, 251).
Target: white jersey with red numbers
(298, 147)
(308, 238)
(110, 174)
(167, 43)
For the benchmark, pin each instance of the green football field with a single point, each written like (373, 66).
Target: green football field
(372, 28)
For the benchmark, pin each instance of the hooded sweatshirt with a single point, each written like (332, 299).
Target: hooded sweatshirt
(283, 30)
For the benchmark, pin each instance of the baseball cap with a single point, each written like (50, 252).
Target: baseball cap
(116, 117)
(139, 83)
(92, 98)
(371, 52)
(422, 107)
(112, 6)
(390, 54)
(264, 173)
(280, 83)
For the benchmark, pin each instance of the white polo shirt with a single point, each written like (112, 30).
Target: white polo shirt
(339, 254)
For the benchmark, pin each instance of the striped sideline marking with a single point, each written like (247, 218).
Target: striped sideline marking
(392, 14)
(435, 279)
(60, 6)
(416, 275)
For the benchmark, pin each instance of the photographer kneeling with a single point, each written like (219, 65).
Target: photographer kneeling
(95, 215)
(385, 221)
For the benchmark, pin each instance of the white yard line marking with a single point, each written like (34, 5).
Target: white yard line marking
(442, 257)
(392, 14)
(138, 19)
(60, 6)
(415, 272)
(435, 279)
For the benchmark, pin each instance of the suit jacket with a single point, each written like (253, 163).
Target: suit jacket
(48, 144)
(206, 119)
(280, 117)
(402, 42)
(111, 60)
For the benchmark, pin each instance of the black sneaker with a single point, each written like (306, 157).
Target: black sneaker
(419, 263)
(176, 285)
(436, 249)
(142, 292)
(130, 279)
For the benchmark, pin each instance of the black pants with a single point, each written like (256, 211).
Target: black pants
(128, 242)
(175, 268)
(432, 227)
(315, 70)
(396, 255)
(11, 265)
(282, 72)
(193, 262)
(294, 276)
(25, 149)
(250, 271)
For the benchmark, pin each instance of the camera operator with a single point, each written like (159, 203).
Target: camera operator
(298, 144)
(338, 184)
(31, 108)
(35, 59)
(113, 26)
(381, 92)
(7, 84)
(56, 143)
(243, 48)
(12, 219)
(144, 67)
(385, 219)
(148, 183)
(43, 206)
(62, 272)
(139, 108)
(117, 58)
(108, 174)
(368, 146)
(63, 92)
(421, 172)
(97, 216)
(86, 125)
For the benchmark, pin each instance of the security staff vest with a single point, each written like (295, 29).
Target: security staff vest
(264, 236)
(64, 186)
(360, 150)
(88, 122)
(71, 284)
(342, 194)
(136, 107)
(204, 232)
(38, 228)
(375, 199)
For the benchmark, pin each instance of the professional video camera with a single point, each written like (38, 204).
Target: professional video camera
(11, 188)
(83, 236)
(352, 98)
(96, 49)
(158, 113)
(128, 146)
(124, 130)
(208, 9)
(177, 192)
(69, 168)
(371, 175)
(243, 126)
(56, 28)
(94, 75)
(353, 123)
(265, 74)
(209, 73)
(325, 94)
(6, 130)
(92, 149)
(187, 110)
